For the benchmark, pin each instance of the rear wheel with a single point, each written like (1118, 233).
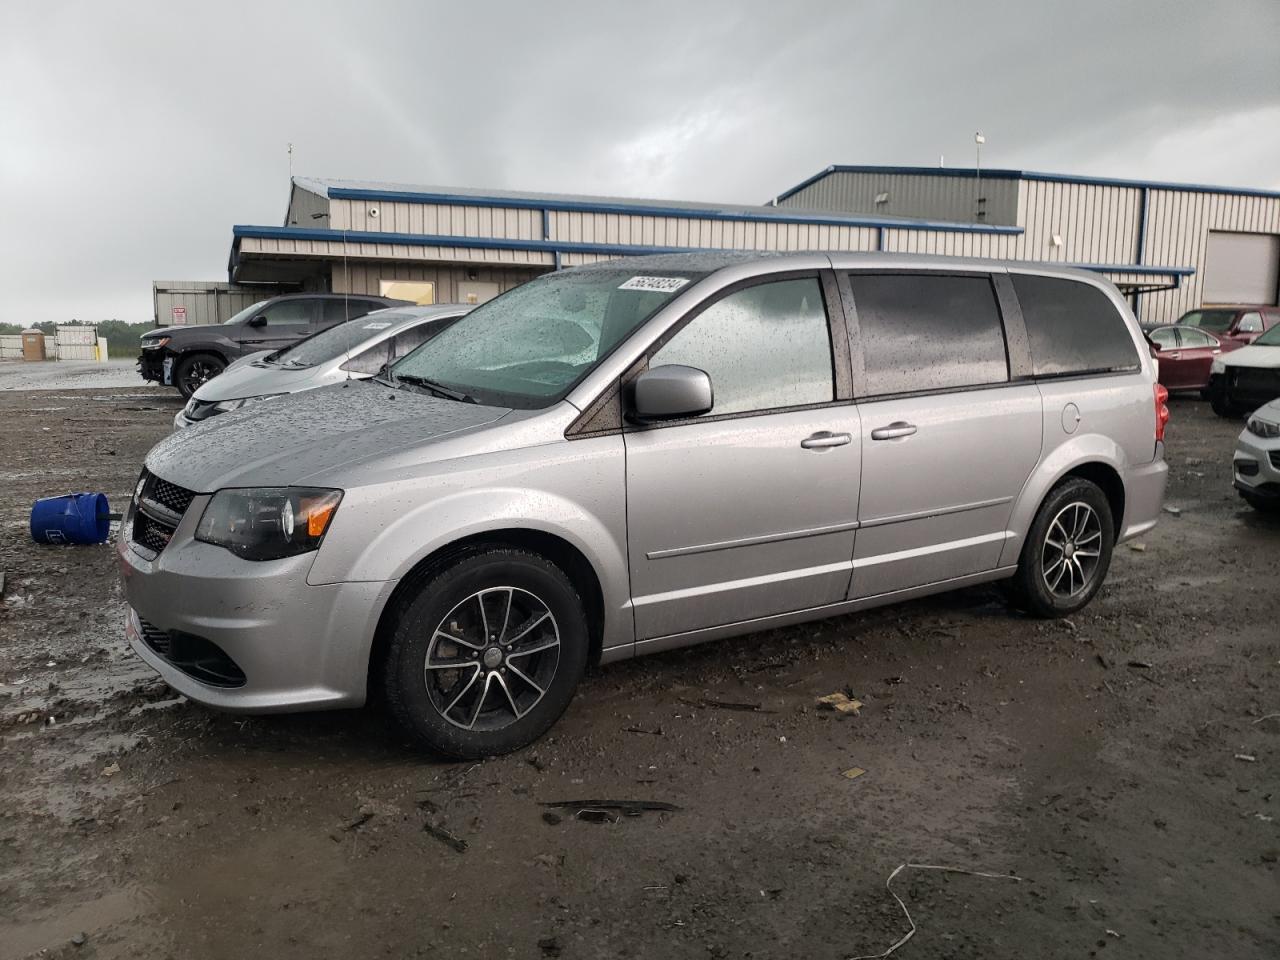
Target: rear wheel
(1067, 551)
(486, 654)
(193, 372)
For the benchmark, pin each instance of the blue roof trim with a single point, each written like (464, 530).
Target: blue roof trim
(646, 210)
(997, 174)
(556, 246)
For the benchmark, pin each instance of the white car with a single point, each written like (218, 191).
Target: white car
(1257, 459)
(357, 349)
(1247, 378)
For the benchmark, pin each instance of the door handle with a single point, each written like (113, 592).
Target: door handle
(1216, 352)
(899, 428)
(1173, 356)
(824, 439)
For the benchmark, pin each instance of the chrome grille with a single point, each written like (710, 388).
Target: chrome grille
(151, 533)
(1274, 456)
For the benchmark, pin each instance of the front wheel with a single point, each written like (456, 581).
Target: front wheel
(193, 372)
(486, 653)
(1262, 504)
(1067, 551)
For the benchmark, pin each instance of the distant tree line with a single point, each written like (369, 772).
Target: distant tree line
(122, 337)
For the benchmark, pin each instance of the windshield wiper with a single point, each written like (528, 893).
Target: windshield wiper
(437, 388)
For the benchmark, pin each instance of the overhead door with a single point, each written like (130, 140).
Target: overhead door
(1241, 268)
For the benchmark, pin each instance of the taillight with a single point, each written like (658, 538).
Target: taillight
(1162, 410)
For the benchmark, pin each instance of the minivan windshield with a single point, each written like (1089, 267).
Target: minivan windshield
(1217, 321)
(530, 346)
(246, 313)
(344, 338)
(1269, 339)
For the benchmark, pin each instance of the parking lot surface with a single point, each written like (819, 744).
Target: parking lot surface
(69, 375)
(1123, 764)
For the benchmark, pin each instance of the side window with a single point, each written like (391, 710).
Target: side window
(370, 361)
(336, 311)
(405, 343)
(1251, 323)
(1073, 327)
(288, 313)
(1192, 339)
(764, 347)
(927, 332)
(1166, 338)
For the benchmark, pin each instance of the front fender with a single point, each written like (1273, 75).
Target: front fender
(381, 532)
(1067, 456)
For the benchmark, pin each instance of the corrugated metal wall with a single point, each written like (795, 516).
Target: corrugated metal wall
(304, 205)
(574, 226)
(909, 195)
(205, 302)
(1096, 223)
(360, 276)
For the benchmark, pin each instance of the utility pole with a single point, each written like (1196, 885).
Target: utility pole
(978, 141)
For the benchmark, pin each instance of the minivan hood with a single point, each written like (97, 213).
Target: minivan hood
(289, 440)
(256, 379)
(1253, 356)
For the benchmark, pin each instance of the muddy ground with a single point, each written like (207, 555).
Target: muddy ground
(1125, 765)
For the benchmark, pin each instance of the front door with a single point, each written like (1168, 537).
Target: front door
(287, 322)
(947, 440)
(750, 509)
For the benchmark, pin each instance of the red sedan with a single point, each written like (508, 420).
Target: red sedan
(1185, 354)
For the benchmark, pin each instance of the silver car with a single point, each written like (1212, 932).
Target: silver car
(356, 349)
(1257, 459)
(638, 455)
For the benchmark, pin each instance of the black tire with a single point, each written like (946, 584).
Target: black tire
(195, 370)
(1033, 587)
(508, 712)
(1262, 505)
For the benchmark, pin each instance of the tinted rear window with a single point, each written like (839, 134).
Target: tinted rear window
(923, 332)
(1073, 327)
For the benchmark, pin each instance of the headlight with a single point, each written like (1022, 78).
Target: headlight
(270, 522)
(1262, 428)
(155, 344)
(226, 406)
(1217, 366)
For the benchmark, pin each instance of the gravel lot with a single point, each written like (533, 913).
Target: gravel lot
(69, 375)
(1123, 764)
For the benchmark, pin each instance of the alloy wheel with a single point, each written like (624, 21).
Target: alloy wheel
(1072, 550)
(492, 658)
(197, 375)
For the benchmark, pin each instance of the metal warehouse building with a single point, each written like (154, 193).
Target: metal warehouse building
(1213, 244)
(1171, 246)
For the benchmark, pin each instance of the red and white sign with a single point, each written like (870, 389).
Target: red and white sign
(178, 315)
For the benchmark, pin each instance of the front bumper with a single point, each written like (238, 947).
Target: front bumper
(151, 365)
(1256, 466)
(298, 646)
(1144, 496)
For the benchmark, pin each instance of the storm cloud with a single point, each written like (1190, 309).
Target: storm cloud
(132, 136)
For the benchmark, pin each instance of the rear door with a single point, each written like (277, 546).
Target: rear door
(1192, 359)
(948, 437)
(749, 510)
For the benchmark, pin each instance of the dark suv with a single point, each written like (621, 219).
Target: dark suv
(186, 357)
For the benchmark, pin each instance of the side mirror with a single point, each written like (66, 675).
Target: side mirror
(258, 321)
(670, 392)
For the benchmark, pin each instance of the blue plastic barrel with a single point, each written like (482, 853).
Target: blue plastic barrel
(75, 518)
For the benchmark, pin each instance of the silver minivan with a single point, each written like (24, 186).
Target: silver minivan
(637, 455)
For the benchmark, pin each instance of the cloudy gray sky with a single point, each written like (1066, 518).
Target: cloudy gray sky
(132, 136)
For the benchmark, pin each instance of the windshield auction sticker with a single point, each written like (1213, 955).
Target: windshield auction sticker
(655, 284)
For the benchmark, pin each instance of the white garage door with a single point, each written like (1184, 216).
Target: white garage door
(1241, 268)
